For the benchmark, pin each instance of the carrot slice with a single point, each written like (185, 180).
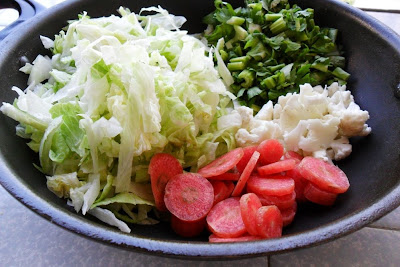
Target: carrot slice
(162, 168)
(222, 164)
(289, 214)
(220, 191)
(270, 187)
(318, 196)
(276, 167)
(225, 220)
(247, 153)
(215, 239)
(271, 150)
(293, 155)
(189, 196)
(246, 174)
(299, 183)
(187, 229)
(249, 204)
(325, 176)
(269, 222)
(228, 176)
(230, 185)
(282, 202)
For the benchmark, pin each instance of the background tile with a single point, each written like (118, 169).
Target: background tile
(367, 247)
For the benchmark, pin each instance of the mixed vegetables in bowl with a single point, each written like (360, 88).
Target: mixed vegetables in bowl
(136, 121)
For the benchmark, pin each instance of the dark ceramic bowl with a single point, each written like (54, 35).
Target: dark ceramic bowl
(373, 53)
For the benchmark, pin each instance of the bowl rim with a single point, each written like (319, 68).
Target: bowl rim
(99, 232)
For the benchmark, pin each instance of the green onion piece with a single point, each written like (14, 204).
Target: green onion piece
(223, 54)
(254, 27)
(281, 78)
(321, 64)
(248, 77)
(241, 33)
(258, 52)
(301, 37)
(332, 34)
(269, 82)
(277, 67)
(272, 17)
(337, 61)
(243, 59)
(238, 50)
(278, 26)
(341, 74)
(235, 21)
(234, 66)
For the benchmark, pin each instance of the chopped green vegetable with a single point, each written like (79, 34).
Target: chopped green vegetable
(275, 47)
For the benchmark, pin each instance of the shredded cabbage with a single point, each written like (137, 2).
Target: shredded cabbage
(116, 91)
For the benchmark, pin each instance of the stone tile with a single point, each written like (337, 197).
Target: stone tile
(390, 19)
(367, 247)
(390, 221)
(29, 240)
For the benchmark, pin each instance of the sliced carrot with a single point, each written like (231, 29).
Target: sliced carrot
(269, 222)
(220, 191)
(282, 202)
(318, 196)
(189, 196)
(249, 204)
(276, 167)
(215, 239)
(222, 164)
(247, 153)
(246, 174)
(271, 150)
(228, 176)
(270, 187)
(325, 176)
(187, 229)
(230, 185)
(293, 155)
(225, 220)
(288, 214)
(299, 183)
(162, 168)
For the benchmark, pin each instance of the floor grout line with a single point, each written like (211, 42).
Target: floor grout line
(382, 228)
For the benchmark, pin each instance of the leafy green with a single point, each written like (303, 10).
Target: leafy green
(275, 47)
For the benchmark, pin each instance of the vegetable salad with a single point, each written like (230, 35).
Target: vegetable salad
(120, 90)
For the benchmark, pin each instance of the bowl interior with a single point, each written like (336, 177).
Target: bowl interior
(373, 59)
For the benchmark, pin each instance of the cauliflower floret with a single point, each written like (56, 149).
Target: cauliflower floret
(247, 115)
(277, 111)
(335, 87)
(258, 131)
(266, 112)
(306, 105)
(316, 122)
(244, 138)
(312, 135)
(352, 122)
(341, 148)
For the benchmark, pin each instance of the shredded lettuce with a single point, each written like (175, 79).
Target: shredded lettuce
(116, 91)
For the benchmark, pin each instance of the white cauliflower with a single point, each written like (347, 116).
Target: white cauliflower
(352, 121)
(316, 122)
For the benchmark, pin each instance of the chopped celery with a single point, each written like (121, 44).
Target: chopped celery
(235, 66)
(341, 74)
(275, 47)
(235, 21)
